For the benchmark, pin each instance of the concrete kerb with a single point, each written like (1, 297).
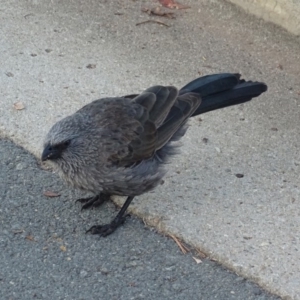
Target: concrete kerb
(283, 13)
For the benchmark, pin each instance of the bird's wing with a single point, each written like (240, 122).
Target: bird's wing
(134, 129)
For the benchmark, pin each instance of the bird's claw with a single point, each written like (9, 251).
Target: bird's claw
(92, 201)
(107, 229)
(83, 200)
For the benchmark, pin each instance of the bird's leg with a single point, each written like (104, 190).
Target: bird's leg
(107, 229)
(93, 201)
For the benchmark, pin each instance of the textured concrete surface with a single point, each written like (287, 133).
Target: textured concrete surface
(285, 13)
(45, 253)
(249, 224)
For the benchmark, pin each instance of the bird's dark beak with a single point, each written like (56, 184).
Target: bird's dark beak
(50, 153)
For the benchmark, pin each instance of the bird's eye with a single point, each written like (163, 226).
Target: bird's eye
(67, 143)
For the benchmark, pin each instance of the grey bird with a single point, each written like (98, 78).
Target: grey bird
(120, 145)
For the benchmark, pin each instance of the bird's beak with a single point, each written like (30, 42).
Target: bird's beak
(50, 153)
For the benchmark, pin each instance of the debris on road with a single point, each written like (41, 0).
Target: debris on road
(172, 4)
(152, 21)
(19, 106)
(184, 249)
(157, 11)
(51, 194)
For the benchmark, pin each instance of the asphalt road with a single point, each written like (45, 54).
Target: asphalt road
(45, 253)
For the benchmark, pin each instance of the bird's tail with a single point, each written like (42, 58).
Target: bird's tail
(222, 90)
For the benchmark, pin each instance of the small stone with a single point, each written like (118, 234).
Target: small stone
(9, 74)
(176, 286)
(131, 264)
(20, 166)
(240, 279)
(19, 105)
(83, 273)
(104, 271)
(91, 66)
(239, 175)
(171, 268)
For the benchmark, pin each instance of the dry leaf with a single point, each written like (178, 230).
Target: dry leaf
(51, 194)
(19, 106)
(172, 4)
(197, 260)
(30, 238)
(63, 248)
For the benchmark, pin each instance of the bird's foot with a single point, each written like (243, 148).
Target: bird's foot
(107, 229)
(93, 201)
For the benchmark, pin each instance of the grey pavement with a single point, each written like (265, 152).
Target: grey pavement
(59, 55)
(45, 253)
(284, 13)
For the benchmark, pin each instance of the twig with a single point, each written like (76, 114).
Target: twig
(182, 247)
(153, 21)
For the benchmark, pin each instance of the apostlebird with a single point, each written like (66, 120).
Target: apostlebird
(120, 145)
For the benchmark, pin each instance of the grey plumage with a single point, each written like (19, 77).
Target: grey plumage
(119, 146)
(113, 142)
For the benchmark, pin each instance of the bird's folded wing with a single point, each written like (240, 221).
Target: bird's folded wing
(136, 128)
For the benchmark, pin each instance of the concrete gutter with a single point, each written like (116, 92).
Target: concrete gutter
(281, 12)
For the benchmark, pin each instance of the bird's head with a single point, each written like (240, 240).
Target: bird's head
(54, 151)
(64, 140)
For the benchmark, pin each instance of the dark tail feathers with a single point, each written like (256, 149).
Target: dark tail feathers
(222, 90)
